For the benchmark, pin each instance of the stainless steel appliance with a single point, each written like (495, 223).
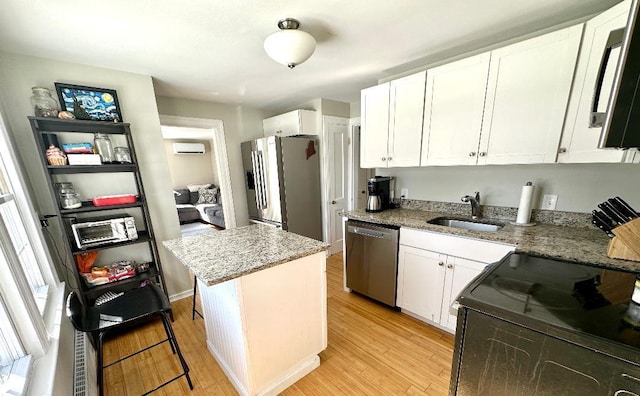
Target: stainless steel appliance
(379, 194)
(535, 325)
(282, 176)
(372, 260)
(96, 231)
(622, 117)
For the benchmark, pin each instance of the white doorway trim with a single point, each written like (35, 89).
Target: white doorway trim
(354, 161)
(220, 152)
(328, 209)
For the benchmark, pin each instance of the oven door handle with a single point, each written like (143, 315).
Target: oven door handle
(596, 118)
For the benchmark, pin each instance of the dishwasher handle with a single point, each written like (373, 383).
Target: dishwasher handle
(370, 233)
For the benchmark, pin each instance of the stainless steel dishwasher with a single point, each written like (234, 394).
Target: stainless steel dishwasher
(372, 260)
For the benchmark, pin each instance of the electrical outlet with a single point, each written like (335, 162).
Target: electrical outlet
(404, 193)
(549, 202)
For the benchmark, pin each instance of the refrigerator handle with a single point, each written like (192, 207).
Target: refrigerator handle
(263, 182)
(258, 183)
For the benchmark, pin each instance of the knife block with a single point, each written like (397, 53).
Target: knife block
(626, 243)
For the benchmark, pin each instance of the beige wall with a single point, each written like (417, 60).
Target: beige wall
(136, 95)
(137, 100)
(191, 168)
(240, 124)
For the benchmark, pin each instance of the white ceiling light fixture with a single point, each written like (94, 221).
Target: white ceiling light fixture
(289, 46)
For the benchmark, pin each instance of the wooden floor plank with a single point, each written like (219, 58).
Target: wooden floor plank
(372, 350)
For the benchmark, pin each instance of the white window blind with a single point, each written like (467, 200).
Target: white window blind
(27, 277)
(10, 345)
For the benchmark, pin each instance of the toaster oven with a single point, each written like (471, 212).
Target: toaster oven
(97, 231)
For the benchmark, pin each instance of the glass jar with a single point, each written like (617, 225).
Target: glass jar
(43, 104)
(104, 147)
(122, 155)
(70, 200)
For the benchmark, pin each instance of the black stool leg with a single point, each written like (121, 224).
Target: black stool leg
(166, 330)
(172, 337)
(100, 364)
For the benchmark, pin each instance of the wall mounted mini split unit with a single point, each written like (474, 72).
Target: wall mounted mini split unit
(188, 148)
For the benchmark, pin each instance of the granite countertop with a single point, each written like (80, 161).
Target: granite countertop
(577, 244)
(216, 257)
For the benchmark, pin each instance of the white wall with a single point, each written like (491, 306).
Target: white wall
(240, 124)
(580, 187)
(191, 168)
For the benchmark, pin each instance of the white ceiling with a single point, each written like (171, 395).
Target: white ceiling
(212, 49)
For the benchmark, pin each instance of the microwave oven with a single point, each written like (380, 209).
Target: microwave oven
(620, 121)
(97, 231)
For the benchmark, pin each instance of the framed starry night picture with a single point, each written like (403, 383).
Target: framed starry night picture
(89, 103)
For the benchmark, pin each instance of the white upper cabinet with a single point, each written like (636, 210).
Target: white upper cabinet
(374, 125)
(391, 129)
(453, 107)
(297, 122)
(579, 141)
(405, 120)
(527, 94)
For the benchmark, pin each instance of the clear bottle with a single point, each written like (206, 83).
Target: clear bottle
(43, 104)
(104, 147)
(70, 200)
(122, 155)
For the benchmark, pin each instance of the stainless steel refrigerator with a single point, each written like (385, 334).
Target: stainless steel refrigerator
(282, 179)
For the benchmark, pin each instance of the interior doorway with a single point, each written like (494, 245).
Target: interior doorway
(188, 129)
(336, 138)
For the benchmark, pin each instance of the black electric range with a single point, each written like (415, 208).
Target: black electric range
(586, 305)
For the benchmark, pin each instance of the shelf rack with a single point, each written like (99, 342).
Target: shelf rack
(87, 293)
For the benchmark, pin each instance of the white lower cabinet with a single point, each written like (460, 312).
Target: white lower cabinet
(429, 281)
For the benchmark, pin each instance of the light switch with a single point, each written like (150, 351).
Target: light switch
(404, 193)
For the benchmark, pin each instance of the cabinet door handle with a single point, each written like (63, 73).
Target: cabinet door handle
(384, 158)
(449, 266)
(482, 154)
(333, 202)
(472, 154)
(562, 150)
(389, 158)
(441, 264)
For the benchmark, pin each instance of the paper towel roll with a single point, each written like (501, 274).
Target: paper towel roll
(524, 208)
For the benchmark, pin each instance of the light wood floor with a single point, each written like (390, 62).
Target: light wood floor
(372, 350)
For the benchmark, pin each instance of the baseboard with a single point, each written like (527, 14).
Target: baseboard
(291, 378)
(181, 295)
(275, 388)
(227, 371)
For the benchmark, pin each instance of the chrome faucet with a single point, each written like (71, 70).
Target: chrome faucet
(475, 204)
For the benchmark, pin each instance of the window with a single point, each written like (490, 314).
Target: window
(27, 279)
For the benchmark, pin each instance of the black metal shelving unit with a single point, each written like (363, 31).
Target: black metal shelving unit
(88, 293)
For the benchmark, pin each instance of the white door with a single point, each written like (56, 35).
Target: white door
(375, 126)
(406, 98)
(527, 95)
(420, 282)
(460, 272)
(336, 135)
(453, 107)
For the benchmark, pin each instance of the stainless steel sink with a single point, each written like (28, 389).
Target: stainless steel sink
(484, 226)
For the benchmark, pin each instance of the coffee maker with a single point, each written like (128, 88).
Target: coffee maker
(379, 197)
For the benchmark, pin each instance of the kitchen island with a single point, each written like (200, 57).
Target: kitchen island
(263, 294)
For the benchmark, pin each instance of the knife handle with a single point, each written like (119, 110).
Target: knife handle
(626, 207)
(611, 213)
